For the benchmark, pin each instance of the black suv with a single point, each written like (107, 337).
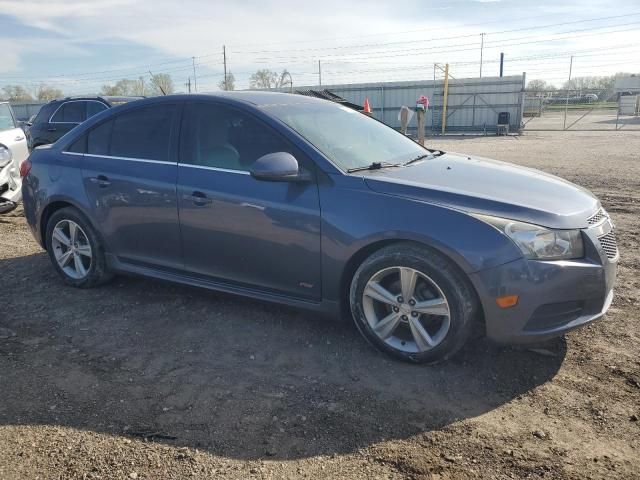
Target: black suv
(59, 116)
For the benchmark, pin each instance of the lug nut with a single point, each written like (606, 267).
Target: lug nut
(414, 314)
(400, 300)
(396, 309)
(404, 317)
(412, 302)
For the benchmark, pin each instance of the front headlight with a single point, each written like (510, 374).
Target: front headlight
(5, 156)
(538, 242)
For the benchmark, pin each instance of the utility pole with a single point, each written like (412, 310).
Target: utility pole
(195, 81)
(188, 84)
(566, 105)
(224, 61)
(445, 98)
(501, 63)
(481, 48)
(319, 74)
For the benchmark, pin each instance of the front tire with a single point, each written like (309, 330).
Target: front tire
(413, 303)
(75, 249)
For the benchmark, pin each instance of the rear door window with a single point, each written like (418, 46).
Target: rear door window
(143, 133)
(93, 108)
(70, 112)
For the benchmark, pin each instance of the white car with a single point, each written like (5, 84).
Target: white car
(13, 151)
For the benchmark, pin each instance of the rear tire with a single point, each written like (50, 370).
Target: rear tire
(75, 249)
(434, 320)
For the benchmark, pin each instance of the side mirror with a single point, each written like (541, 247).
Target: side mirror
(278, 167)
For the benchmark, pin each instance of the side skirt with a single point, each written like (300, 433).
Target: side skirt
(330, 309)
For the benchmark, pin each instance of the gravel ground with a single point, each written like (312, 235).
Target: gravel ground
(142, 379)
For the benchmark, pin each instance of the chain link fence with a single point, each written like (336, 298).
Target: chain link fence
(580, 109)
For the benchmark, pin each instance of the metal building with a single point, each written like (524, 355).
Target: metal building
(473, 104)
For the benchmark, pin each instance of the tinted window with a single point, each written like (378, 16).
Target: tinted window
(94, 108)
(143, 133)
(98, 139)
(79, 146)
(6, 119)
(70, 112)
(218, 136)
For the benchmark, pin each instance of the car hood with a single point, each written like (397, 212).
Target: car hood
(489, 187)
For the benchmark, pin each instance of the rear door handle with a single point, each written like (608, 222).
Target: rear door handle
(51, 129)
(198, 198)
(101, 181)
(18, 138)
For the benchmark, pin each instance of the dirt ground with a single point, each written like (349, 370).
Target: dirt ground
(142, 379)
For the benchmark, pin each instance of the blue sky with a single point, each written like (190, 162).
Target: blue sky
(80, 45)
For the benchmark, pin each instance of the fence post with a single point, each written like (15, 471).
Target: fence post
(566, 105)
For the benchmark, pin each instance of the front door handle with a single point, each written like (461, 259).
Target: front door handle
(51, 129)
(101, 181)
(19, 138)
(198, 198)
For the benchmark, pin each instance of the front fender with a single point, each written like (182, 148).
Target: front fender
(355, 217)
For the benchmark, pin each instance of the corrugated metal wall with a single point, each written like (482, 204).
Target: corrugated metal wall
(23, 111)
(473, 103)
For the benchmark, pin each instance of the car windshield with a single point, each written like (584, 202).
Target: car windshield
(348, 138)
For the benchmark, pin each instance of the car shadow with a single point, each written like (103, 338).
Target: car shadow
(236, 377)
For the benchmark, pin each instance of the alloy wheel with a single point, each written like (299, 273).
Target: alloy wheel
(71, 249)
(406, 309)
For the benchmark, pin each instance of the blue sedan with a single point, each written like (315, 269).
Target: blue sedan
(302, 201)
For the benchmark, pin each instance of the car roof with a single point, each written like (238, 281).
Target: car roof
(105, 98)
(255, 98)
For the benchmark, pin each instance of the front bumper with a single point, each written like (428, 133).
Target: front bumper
(10, 184)
(554, 296)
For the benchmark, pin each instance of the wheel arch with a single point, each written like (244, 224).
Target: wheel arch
(58, 204)
(367, 250)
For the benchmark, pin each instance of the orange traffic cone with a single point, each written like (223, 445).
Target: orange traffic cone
(366, 108)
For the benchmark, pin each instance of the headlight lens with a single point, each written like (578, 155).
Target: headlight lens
(538, 242)
(5, 156)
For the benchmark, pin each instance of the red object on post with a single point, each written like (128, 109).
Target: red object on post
(366, 107)
(423, 101)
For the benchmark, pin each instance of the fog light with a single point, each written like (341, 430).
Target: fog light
(507, 301)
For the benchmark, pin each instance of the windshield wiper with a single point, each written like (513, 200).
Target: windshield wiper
(374, 166)
(434, 153)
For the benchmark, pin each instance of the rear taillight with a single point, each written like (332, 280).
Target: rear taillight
(25, 168)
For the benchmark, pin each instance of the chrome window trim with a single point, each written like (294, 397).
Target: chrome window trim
(131, 159)
(69, 101)
(215, 169)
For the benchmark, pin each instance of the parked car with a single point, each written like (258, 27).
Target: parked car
(13, 150)
(59, 116)
(305, 202)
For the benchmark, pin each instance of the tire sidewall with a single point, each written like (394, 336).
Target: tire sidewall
(97, 271)
(438, 269)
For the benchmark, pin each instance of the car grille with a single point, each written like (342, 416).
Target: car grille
(597, 217)
(609, 244)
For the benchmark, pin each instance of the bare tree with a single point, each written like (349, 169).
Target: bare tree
(230, 83)
(161, 84)
(265, 79)
(16, 93)
(122, 87)
(46, 93)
